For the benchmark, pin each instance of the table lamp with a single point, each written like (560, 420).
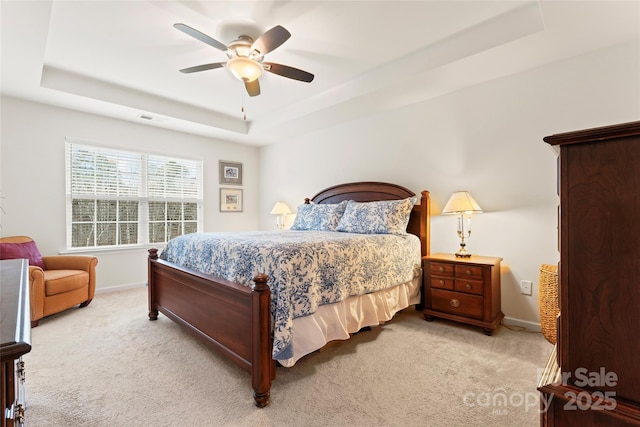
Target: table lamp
(281, 209)
(461, 203)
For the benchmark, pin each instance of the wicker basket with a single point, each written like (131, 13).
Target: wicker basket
(548, 300)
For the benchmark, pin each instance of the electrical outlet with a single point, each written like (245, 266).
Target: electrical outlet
(525, 287)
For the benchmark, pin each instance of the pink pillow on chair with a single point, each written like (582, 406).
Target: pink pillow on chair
(27, 250)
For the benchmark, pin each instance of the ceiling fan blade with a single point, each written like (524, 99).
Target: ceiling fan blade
(253, 88)
(203, 67)
(290, 72)
(200, 36)
(271, 39)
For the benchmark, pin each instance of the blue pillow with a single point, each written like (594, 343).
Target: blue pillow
(384, 217)
(319, 217)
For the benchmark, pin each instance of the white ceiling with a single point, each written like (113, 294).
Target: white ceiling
(121, 58)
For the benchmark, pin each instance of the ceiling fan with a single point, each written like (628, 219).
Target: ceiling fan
(246, 57)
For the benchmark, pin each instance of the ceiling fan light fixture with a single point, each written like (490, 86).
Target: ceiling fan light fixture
(245, 69)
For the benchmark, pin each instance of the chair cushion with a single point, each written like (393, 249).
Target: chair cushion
(60, 281)
(27, 250)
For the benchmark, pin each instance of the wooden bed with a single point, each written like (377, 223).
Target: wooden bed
(235, 319)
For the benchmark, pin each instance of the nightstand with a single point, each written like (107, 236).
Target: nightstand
(466, 290)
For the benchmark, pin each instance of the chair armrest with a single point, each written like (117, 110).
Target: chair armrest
(70, 262)
(36, 292)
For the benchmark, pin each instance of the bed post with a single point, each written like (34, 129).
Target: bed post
(262, 365)
(153, 309)
(425, 222)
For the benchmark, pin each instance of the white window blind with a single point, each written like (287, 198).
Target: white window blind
(117, 197)
(175, 195)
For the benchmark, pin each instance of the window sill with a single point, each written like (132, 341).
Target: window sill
(112, 249)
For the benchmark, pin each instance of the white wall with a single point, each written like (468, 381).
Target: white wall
(486, 139)
(33, 177)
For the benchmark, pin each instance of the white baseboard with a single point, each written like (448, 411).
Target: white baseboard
(120, 287)
(530, 326)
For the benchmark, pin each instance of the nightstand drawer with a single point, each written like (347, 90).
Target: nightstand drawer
(469, 286)
(441, 268)
(468, 272)
(442, 283)
(457, 303)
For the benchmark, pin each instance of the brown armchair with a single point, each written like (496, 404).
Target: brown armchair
(56, 282)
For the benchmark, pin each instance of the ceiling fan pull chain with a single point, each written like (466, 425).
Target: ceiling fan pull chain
(244, 114)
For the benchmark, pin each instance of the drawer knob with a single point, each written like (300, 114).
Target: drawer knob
(441, 269)
(468, 272)
(454, 303)
(442, 282)
(468, 286)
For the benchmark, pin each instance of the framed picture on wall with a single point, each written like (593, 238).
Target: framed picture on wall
(230, 200)
(230, 173)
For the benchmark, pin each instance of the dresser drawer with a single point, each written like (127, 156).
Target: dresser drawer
(468, 272)
(457, 303)
(442, 283)
(468, 286)
(441, 269)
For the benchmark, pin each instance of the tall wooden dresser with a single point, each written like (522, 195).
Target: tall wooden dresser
(15, 337)
(593, 375)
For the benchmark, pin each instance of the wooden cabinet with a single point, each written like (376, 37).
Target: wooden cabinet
(593, 376)
(15, 334)
(463, 289)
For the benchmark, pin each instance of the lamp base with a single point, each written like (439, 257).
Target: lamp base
(462, 252)
(462, 255)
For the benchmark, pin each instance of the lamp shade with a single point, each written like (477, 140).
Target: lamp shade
(461, 202)
(280, 208)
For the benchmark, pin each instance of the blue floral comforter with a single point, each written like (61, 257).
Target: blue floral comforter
(306, 268)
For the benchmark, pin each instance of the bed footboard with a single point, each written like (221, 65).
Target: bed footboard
(233, 319)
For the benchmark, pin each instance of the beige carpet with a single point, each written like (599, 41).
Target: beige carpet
(107, 365)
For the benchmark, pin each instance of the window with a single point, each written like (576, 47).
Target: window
(120, 198)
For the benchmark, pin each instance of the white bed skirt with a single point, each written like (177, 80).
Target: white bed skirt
(337, 321)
